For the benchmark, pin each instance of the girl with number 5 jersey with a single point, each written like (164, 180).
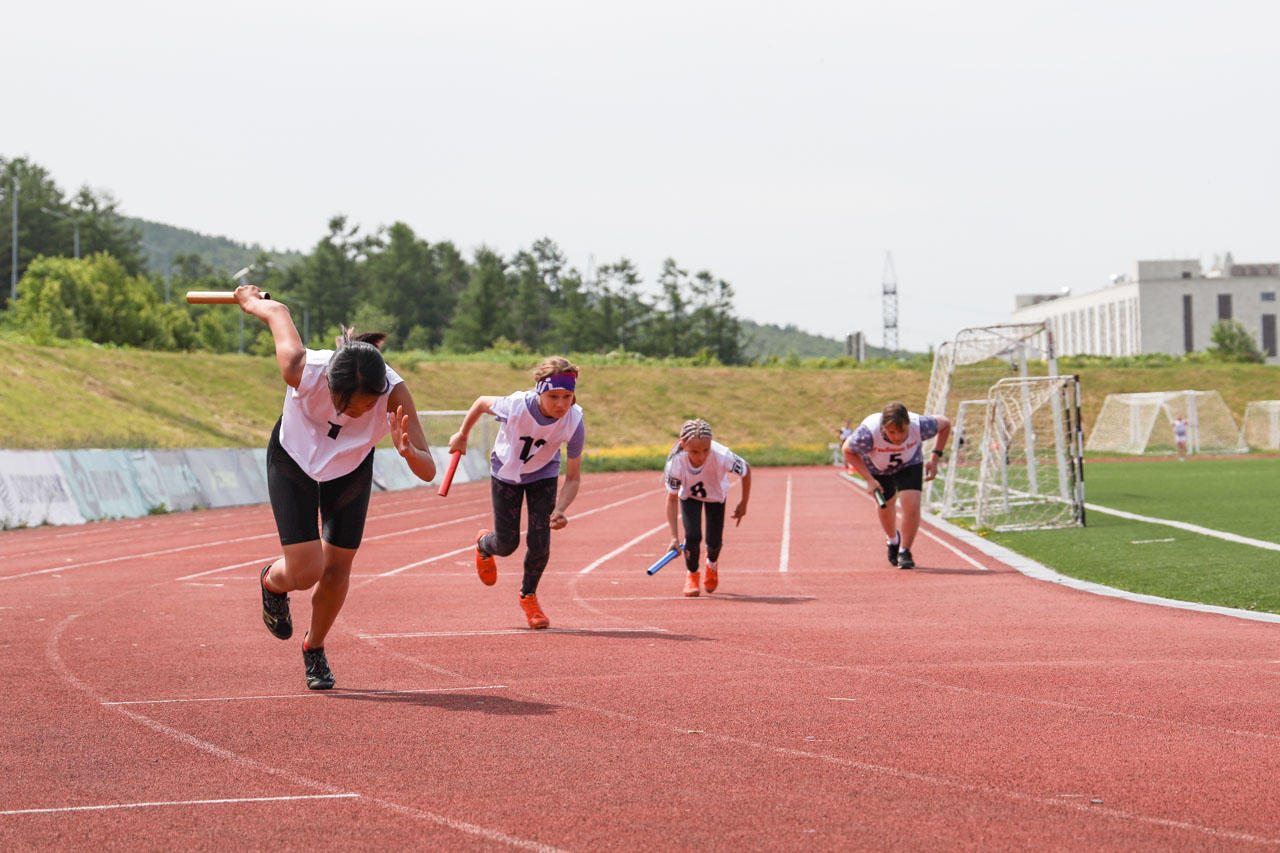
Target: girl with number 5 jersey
(525, 467)
(697, 478)
(339, 404)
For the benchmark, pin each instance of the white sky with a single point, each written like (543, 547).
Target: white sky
(993, 147)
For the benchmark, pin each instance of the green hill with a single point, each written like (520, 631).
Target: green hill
(162, 243)
(104, 397)
(761, 340)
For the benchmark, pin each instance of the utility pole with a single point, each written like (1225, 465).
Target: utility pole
(889, 305)
(75, 224)
(13, 261)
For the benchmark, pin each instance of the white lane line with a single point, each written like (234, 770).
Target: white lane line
(616, 551)
(303, 695)
(862, 490)
(1182, 525)
(785, 557)
(842, 699)
(954, 550)
(259, 562)
(124, 557)
(181, 803)
(525, 631)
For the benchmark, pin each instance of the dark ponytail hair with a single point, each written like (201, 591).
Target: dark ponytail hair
(357, 367)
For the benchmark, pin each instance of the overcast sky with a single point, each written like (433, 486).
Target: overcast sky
(992, 147)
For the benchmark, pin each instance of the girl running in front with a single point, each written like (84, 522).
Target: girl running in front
(697, 478)
(525, 468)
(339, 404)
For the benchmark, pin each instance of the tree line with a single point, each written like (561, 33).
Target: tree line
(425, 295)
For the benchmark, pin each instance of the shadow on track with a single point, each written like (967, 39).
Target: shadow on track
(488, 703)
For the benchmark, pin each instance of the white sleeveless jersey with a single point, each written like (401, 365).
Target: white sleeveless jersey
(524, 446)
(325, 444)
(710, 482)
(884, 457)
(1180, 429)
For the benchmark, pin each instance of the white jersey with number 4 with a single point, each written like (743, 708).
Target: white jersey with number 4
(708, 482)
(883, 456)
(325, 444)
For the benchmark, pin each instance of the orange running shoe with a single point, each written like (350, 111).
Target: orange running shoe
(713, 577)
(532, 612)
(486, 568)
(691, 584)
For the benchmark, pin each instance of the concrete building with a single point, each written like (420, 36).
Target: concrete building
(1165, 307)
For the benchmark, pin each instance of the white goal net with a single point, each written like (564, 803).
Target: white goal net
(1032, 471)
(1262, 425)
(966, 367)
(1143, 423)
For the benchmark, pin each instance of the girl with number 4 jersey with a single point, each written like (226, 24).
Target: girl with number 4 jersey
(525, 467)
(697, 478)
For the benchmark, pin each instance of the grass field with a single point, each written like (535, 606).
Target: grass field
(1238, 496)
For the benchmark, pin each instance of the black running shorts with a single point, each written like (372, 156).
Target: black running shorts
(296, 499)
(909, 479)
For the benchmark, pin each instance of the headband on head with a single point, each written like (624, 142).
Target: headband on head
(563, 381)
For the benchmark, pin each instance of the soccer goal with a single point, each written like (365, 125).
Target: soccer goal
(966, 367)
(1143, 423)
(1032, 471)
(1262, 425)
(960, 472)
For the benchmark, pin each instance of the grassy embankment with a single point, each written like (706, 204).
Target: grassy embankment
(80, 396)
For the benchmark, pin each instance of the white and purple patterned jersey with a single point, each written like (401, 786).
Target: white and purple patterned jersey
(884, 457)
(528, 444)
(708, 482)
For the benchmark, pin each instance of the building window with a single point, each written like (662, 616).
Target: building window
(1224, 306)
(1268, 296)
(1188, 342)
(1269, 334)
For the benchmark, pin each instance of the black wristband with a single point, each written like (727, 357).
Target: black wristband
(937, 452)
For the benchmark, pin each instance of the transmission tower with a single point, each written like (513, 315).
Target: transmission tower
(889, 305)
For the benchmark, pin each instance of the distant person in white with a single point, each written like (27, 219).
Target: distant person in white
(887, 450)
(1180, 436)
(338, 405)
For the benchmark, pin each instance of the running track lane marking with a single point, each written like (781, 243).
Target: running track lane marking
(785, 556)
(520, 631)
(304, 695)
(848, 481)
(181, 803)
(124, 557)
(616, 551)
(244, 762)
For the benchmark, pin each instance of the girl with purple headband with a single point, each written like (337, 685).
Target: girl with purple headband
(525, 467)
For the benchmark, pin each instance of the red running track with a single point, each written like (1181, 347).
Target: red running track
(837, 705)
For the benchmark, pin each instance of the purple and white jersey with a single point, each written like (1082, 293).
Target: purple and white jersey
(1180, 429)
(325, 444)
(708, 482)
(528, 444)
(884, 457)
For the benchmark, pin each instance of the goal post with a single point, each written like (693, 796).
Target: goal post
(1143, 423)
(1032, 470)
(1262, 425)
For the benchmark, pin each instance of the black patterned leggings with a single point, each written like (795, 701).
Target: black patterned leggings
(691, 512)
(505, 538)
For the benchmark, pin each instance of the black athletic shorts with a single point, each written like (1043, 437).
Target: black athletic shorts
(342, 504)
(909, 479)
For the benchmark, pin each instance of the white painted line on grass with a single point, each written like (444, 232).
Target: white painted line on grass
(1032, 569)
(1150, 541)
(181, 803)
(1182, 525)
(304, 695)
(526, 631)
(785, 557)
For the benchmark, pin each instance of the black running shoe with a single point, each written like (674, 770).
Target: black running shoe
(319, 676)
(893, 552)
(275, 609)
(904, 560)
